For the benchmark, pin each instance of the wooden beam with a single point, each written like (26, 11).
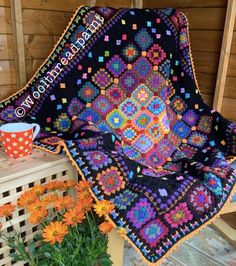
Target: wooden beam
(137, 3)
(18, 40)
(224, 55)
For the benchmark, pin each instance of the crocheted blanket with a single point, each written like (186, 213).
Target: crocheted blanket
(119, 95)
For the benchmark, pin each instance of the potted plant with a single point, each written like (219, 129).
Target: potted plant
(72, 228)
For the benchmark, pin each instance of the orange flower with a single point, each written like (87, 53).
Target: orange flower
(84, 205)
(55, 232)
(54, 185)
(73, 217)
(69, 183)
(38, 216)
(38, 189)
(26, 199)
(63, 203)
(36, 206)
(105, 227)
(83, 194)
(83, 186)
(6, 210)
(103, 207)
(49, 198)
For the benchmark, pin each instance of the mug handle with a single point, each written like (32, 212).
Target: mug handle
(36, 130)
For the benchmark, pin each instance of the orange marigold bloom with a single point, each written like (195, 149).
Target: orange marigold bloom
(36, 206)
(63, 203)
(105, 227)
(55, 232)
(38, 189)
(6, 210)
(38, 216)
(69, 183)
(83, 194)
(103, 207)
(73, 217)
(55, 185)
(26, 199)
(49, 198)
(84, 205)
(83, 185)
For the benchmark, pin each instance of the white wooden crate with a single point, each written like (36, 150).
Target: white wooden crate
(17, 176)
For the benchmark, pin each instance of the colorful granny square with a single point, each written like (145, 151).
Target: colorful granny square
(141, 213)
(153, 232)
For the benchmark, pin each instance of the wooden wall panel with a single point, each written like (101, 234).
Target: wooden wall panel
(206, 40)
(5, 20)
(38, 46)
(70, 5)
(232, 65)
(230, 87)
(44, 22)
(7, 90)
(114, 3)
(205, 18)
(233, 45)
(205, 62)
(6, 47)
(55, 5)
(5, 3)
(184, 3)
(7, 63)
(206, 82)
(207, 99)
(229, 100)
(32, 66)
(229, 108)
(7, 73)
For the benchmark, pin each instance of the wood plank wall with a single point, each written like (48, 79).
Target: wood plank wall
(7, 57)
(229, 99)
(206, 23)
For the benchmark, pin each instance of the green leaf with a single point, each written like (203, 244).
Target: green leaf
(15, 257)
(32, 248)
(105, 261)
(47, 255)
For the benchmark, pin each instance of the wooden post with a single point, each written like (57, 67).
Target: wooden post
(116, 248)
(224, 55)
(137, 3)
(18, 40)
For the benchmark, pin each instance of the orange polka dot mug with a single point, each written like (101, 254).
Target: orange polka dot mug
(17, 138)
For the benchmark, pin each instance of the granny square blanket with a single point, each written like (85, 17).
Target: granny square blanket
(118, 94)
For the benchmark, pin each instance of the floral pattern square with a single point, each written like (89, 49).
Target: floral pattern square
(154, 232)
(111, 180)
(141, 213)
(179, 215)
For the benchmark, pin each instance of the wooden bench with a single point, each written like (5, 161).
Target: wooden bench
(18, 175)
